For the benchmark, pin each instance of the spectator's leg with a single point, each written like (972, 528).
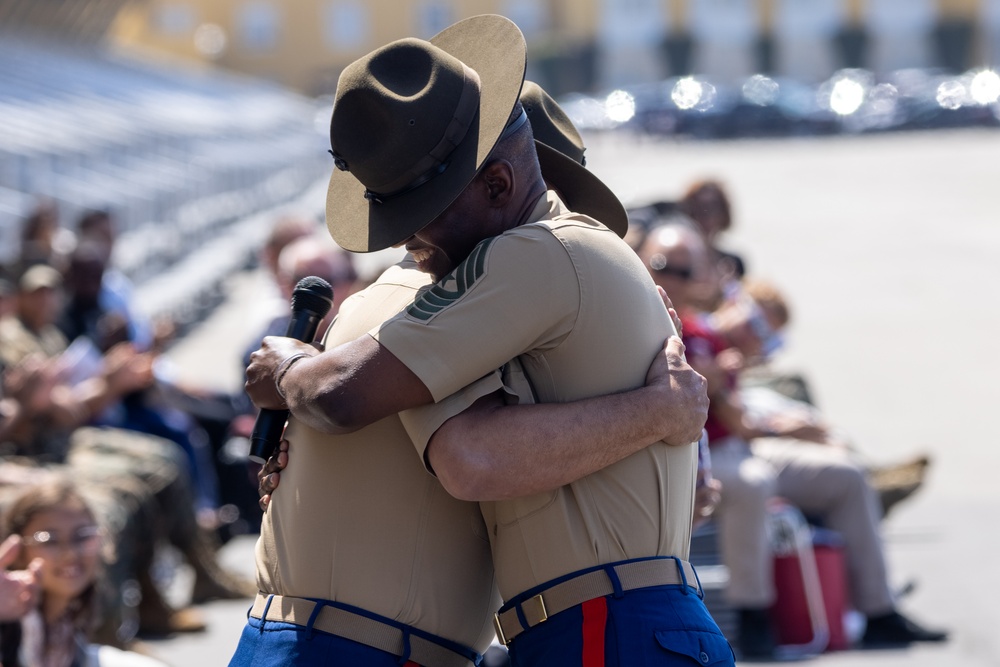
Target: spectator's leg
(823, 481)
(747, 484)
(159, 465)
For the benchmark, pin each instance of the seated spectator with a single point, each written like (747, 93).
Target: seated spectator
(313, 255)
(707, 205)
(754, 320)
(141, 480)
(138, 484)
(30, 327)
(116, 294)
(95, 329)
(60, 536)
(787, 455)
(286, 229)
(43, 239)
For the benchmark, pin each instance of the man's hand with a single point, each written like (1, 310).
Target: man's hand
(269, 476)
(706, 499)
(19, 589)
(264, 364)
(684, 394)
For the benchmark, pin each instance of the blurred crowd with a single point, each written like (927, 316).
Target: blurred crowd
(109, 468)
(767, 441)
(106, 463)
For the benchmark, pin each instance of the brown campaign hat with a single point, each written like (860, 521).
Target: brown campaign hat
(560, 155)
(413, 122)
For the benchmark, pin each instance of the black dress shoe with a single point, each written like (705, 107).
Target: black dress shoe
(894, 629)
(755, 638)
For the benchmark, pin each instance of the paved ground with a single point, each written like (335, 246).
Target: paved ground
(889, 250)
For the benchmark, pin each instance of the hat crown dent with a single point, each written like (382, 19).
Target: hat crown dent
(392, 109)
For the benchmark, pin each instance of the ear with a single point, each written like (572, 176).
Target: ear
(498, 176)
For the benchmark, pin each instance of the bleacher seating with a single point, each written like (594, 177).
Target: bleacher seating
(188, 160)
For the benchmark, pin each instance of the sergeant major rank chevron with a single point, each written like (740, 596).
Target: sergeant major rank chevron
(453, 286)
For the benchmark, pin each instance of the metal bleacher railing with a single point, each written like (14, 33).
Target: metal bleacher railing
(188, 161)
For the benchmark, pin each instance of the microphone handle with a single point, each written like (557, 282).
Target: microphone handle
(266, 434)
(303, 326)
(270, 423)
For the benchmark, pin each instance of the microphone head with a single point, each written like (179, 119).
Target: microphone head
(313, 294)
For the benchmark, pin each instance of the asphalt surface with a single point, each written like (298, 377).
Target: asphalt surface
(888, 248)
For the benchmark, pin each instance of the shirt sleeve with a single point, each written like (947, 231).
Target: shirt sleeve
(515, 293)
(422, 423)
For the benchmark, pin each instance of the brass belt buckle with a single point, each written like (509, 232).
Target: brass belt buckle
(501, 637)
(534, 613)
(534, 610)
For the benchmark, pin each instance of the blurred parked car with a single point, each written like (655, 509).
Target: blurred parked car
(912, 99)
(852, 101)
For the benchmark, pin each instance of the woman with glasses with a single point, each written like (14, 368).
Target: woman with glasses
(57, 529)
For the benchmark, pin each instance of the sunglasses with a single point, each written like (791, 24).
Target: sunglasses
(658, 265)
(86, 538)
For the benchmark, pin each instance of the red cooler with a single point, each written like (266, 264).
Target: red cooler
(810, 584)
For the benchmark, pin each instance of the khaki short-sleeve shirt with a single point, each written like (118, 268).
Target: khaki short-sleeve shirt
(358, 520)
(18, 342)
(577, 307)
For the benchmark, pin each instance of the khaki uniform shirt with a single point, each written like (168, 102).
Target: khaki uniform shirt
(18, 342)
(357, 518)
(578, 305)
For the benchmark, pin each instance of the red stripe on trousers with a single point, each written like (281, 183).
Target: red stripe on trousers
(595, 618)
(410, 663)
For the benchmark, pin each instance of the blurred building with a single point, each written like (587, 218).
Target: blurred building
(580, 44)
(574, 44)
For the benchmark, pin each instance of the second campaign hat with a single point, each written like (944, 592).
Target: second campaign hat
(413, 122)
(560, 155)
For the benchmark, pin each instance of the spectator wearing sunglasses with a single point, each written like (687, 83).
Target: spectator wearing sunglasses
(760, 456)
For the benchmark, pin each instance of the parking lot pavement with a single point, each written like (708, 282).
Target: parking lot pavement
(887, 247)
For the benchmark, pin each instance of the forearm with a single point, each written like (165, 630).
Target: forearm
(349, 387)
(317, 392)
(505, 452)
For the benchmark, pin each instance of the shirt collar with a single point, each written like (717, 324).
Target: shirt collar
(548, 207)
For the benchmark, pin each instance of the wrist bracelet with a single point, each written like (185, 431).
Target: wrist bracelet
(283, 368)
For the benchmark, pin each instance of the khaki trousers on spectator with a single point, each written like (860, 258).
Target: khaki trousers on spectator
(821, 481)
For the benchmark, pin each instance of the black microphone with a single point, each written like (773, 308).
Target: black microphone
(311, 301)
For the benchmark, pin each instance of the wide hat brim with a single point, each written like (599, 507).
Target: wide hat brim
(581, 190)
(494, 47)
